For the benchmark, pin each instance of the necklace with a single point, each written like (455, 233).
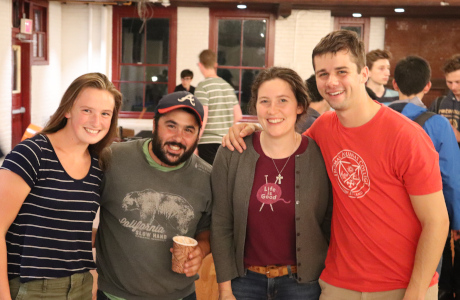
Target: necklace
(279, 177)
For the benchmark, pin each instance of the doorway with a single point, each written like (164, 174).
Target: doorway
(20, 108)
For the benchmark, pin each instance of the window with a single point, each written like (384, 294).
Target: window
(244, 43)
(40, 45)
(143, 57)
(359, 25)
(37, 11)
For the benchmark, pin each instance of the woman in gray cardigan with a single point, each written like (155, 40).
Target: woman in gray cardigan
(272, 203)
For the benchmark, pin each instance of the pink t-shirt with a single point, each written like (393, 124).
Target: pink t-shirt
(270, 233)
(373, 169)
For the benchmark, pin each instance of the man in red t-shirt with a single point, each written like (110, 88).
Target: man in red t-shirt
(390, 220)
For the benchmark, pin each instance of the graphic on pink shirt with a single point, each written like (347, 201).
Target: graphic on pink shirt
(351, 173)
(270, 193)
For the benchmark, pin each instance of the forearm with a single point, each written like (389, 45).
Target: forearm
(4, 285)
(427, 256)
(203, 239)
(225, 286)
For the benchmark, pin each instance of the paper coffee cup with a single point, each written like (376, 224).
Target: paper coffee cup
(182, 247)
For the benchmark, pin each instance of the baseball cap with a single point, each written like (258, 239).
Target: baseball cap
(181, 99)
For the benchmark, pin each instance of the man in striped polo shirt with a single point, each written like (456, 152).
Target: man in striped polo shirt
(221, 107)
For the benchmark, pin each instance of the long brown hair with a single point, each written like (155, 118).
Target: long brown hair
(90, 80)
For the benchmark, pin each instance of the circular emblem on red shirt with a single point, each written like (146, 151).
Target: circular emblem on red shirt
(351, 173)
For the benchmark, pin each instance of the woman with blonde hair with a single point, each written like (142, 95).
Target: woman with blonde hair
(49, 195)
(272, 204)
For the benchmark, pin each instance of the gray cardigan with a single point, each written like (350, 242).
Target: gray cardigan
(232, 177)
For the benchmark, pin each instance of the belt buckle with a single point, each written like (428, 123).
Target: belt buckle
(272, 271)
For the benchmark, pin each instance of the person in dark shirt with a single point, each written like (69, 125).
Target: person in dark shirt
(186, 77)
(317, 106)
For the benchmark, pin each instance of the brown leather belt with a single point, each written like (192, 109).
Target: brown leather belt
(272, 271)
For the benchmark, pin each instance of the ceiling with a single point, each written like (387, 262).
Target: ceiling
(341, 8)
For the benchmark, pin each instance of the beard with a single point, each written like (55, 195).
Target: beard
(158, 148)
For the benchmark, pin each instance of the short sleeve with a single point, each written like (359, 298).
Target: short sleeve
(419, 164)
(24, 160)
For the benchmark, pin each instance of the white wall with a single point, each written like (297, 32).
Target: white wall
(192, 38)
(297, 35)
(5, 75)
(87, 42)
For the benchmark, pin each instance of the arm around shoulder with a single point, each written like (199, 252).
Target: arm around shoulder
(222, 227)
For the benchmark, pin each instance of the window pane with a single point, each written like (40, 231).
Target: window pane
(232, 76)
(254, 35)
(357, 29)
(153, 94)
(41, 45)
(35, 46)
(229, 43)
(156, 74)
(157, 41)
(132, 73)
(132, 41)
(246, 82)
(37, 20)
(132, 96)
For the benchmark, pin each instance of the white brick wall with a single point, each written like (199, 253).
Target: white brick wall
(377, 34)
(192, 38)
(5, 75)
(297, 35)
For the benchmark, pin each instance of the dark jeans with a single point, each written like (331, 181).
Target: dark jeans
(255, 286)
(208, 152)
(102, 296)
(449, 282)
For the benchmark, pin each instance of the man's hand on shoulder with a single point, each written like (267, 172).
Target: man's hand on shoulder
(234, 138)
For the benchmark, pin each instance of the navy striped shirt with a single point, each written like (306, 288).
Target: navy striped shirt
(51, 235)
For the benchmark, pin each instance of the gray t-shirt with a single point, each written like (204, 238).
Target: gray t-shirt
(142, 208)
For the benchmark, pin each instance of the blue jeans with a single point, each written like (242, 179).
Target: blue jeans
(255, 286)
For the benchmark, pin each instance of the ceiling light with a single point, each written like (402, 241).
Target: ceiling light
(241, 6)
(262, 35)
(399, 10)
(357, 15)
(444, 3)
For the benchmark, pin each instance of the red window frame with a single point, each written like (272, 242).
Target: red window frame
(120, 12)
(217, 14)
(42, 7)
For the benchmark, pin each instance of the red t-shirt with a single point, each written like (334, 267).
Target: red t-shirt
(270, 233)
(373, 169)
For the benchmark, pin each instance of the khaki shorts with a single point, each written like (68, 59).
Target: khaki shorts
(78, 286)
(330, 292)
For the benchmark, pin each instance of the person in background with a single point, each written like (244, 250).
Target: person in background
(49, 195)
(449, 106)
(412, 81)
(317, 106)
(186, 77)
(268, 196)
(153, 190)
(378, 62)
(374, 252)
(221, 107)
